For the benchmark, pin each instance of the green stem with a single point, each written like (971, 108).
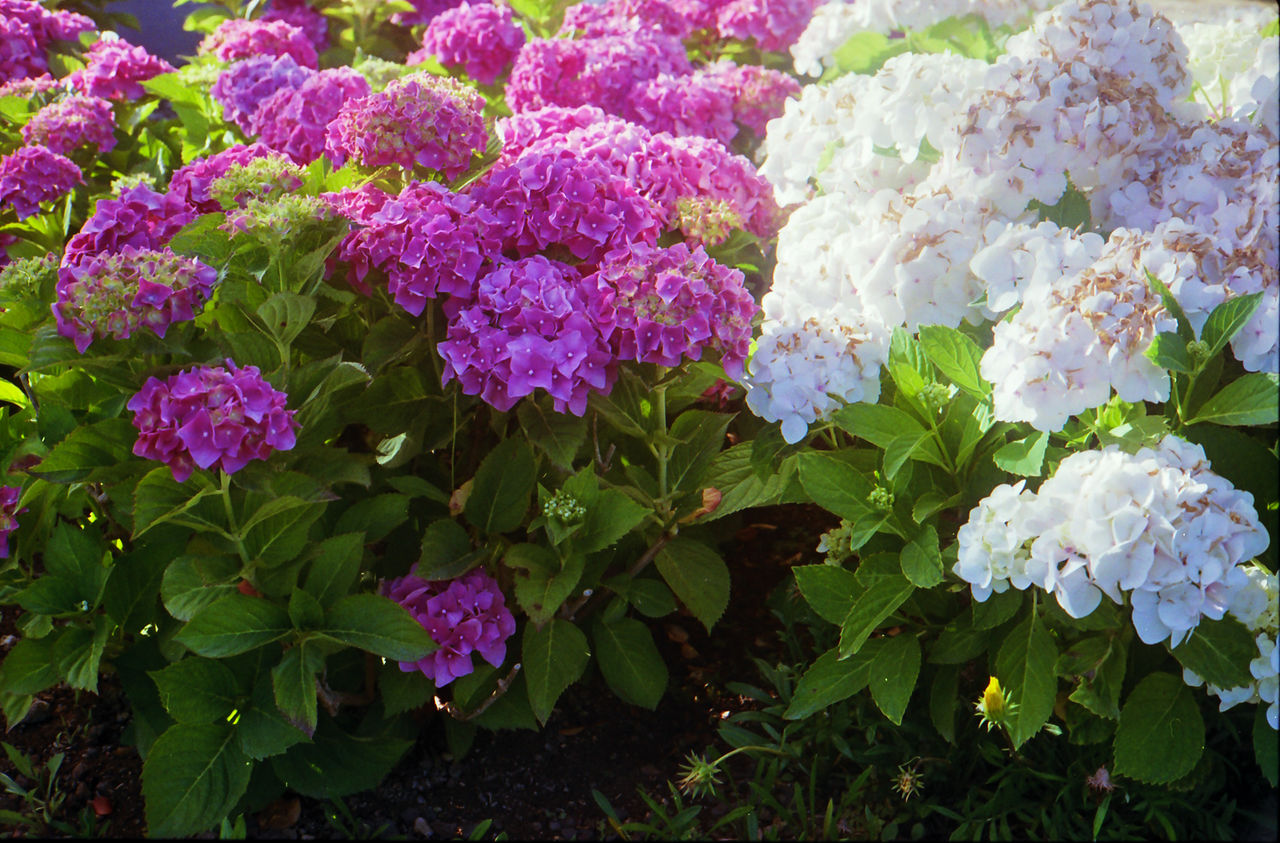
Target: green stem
(234, 533)
(661, 450)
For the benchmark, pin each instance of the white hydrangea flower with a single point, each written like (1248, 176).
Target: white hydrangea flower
(1021, 257)
(1228, 57)
(992, 548)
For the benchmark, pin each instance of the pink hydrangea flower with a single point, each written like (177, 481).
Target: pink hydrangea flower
(300, 14)
(29, 87)
(21, 55)
(140, 217)
(211, 416)
(9, 512)
(521, 131)
(246, 84)
(293, 120)
(73, 123)
(552, 197)
(34, 174)
(464, 615)
(527, 328)
(662, 305)
(691, 104)
(115, 294)
(621, 17)
(480, 38)
(759, 94)
(420, 120)
(237, 38)
(424, 11)
(47, 26)
(191, 182)
(427, 241)
(27, 30)
(115, 69)
(774, 24)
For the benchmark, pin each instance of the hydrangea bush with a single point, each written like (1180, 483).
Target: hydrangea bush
(468, 323)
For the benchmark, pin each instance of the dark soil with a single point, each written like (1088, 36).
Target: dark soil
(531, 785)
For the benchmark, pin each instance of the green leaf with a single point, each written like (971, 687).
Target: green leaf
(1100, 663)
(262, 730)
(884, 590)
(1265, 746)
(78, 653)
(558, 435)
(192, 777)
(958, 643)
(1219, 652)
(1024, 666)
(700, 436)
(829, 590)
(191, 583)
(554, 657)
(1169, 351)
(943, 692)
(630, 662)
(651, 598)
(284, 315)
(76, 555)
(1024, 457)
(830, 680)
(336, 764)
(893, 675)
(608, 519)
(335, 566)
(698, 576)
(375, 516)
(293, 682)
(304, 610)
(922, 559)
(996, 609)
(388, 339)
(1227, 319)
(835, 485)
(957, 356)
(403, 691)
(131, 592)
(378, 625)
(91, 452)
(500, 494)
(29, 667)
(733, 473)
(234, 624)
(1252, 399)
(878, 424)
(542, 585)
(196, 690)
(158, 498)
(1170, 302)
(1161, 734)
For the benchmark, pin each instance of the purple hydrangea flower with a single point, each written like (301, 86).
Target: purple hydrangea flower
(661, 305)
(191, 182)
(758, 93)
(692, 104)
(115, 69)
(245, 85)
(27, 29)
(21, 55)
(464, 615)
(552, 197)
(140, 217)
(34, 174)
(427, 241)
(115, 294)
(72, 124)
(47, 26)
(622, 17)
(424, 11)
(28, 87)
(480, 38)
(527, 328)
(9, 512)
(211, 416)
(423, 120)
(521, 131)
(300, 14)
(237, 38)
(774, 24)
(293, 120)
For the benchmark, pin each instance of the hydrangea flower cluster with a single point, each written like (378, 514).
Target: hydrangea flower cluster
(772, 24)
(1159, 525)
(115, 69)
(527, 326)
(71, 124)
(29, 87)
(115, 294)
(299, 13)
(480, 38)
(660, 306)
(758, 94)
(465, 615)
(237, 38)
(421, 120)
(427, 241)
(553, 197)
(680, 18)
(27, 29)
(140, 217)
(193, 182)
(294, 120)
(424, 11)
(32, 175)
(244, 86)
(692, 104)
(9, 512)
(211, 416)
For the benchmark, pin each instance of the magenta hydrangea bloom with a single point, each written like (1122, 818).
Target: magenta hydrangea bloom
(300, 14)
(552, 197)
(211, 416)
(236, 38)
(140, 217)
(9, 512)
(621, 17)
(191, 182)
(424, 11)
(28, 87)
(116, 69)
(759, 94)
(527, 328)
(27, 29)
(46, 25)
(21, 55)
(115, 294)
(420, 120)
(592, 71)
(685, 105)
(73, 123)
(774, 24)
(34, 174)
(481, 38)
(293, 120)
(245, 85)
(427, 240)
(464, 615)
(661, 305)
(521, 131)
